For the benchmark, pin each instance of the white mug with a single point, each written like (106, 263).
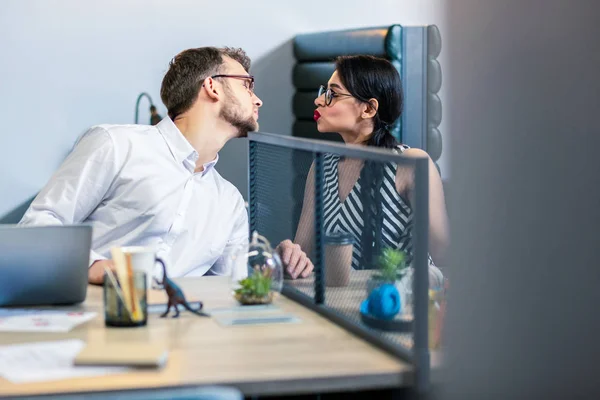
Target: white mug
(142, 259)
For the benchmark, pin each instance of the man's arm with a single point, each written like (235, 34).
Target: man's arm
(237, 242)
(78, 186)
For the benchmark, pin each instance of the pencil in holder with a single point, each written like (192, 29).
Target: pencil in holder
(125, 303)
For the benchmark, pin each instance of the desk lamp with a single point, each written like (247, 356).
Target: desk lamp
(154, 115)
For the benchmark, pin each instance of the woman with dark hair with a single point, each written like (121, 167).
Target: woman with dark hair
(362, 100)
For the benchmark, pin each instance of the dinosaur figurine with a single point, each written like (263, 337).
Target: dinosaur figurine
(176, 296)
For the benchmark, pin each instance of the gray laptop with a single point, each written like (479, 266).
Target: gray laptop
(44, 265)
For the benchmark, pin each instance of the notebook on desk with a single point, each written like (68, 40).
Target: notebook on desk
(140, 355)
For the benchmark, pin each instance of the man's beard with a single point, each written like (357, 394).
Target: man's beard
(230, 113)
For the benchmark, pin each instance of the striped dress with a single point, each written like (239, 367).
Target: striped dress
(346, 216)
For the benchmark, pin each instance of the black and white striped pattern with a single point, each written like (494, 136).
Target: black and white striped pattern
(347, 216)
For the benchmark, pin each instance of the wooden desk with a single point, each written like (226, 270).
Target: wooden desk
(346, 300)
(311, 356)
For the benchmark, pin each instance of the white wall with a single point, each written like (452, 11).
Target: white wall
(68, 64)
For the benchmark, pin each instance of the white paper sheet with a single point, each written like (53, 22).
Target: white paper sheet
(27, 320)
(46, 361)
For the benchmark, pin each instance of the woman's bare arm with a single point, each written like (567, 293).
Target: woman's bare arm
(438, 217)
(294, 254)
(305, 232)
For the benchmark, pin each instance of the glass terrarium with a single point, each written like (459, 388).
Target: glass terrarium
(257, 272)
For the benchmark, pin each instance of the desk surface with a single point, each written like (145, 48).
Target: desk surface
(347, 299)
(310, 356)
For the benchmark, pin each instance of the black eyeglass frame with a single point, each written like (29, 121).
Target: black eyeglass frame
(246, 77)
(329, 94)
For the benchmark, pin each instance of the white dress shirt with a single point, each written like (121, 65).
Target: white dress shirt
(135, 184)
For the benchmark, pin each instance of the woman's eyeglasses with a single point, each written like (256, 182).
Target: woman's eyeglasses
(329, 94)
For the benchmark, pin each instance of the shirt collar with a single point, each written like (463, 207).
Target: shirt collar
(211, 164)
(180, 148)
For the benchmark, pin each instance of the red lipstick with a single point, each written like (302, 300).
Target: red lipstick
(316, 115)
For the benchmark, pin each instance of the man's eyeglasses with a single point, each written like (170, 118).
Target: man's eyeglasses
(329, 94)
(249, 79)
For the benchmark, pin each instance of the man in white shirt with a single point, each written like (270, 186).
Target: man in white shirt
(157, 185)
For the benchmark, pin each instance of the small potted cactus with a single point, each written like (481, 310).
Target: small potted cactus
(393, 269)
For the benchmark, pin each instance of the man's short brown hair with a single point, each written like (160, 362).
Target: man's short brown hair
(187, 71)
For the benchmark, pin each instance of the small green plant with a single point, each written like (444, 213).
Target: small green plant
(256, 288)
(392, 263)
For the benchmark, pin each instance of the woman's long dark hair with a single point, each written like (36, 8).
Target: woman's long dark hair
(366, 78)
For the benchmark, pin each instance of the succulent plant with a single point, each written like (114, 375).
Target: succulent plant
(256, 288)
(392, 263)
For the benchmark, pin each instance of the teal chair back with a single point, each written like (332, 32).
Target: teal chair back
(413, 50)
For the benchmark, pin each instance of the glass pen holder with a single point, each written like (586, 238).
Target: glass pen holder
(125, 305)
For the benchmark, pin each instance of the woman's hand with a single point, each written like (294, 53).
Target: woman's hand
(295, 261)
